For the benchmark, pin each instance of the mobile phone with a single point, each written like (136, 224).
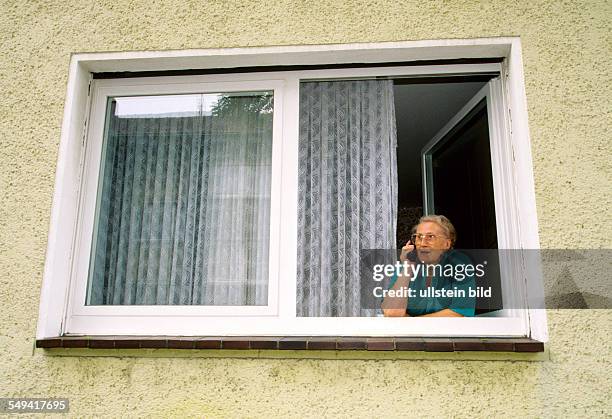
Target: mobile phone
(412, 256)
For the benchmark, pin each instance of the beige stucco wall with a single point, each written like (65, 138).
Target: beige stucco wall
(566, 47)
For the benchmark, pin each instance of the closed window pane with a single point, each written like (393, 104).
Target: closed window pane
(183, 211)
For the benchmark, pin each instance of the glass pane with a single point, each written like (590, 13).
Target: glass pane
(183, 211)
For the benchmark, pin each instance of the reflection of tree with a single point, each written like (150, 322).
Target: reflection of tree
(262, 103)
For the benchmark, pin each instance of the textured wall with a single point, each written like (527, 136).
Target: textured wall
(566, 48)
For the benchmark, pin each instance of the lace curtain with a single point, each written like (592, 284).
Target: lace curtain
(347, 190)
(185, 204)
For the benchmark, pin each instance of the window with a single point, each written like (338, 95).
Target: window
(237, 203)
(183, 197)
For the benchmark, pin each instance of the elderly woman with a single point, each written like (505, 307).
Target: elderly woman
(433, 293)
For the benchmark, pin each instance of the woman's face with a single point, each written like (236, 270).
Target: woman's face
(431, 242)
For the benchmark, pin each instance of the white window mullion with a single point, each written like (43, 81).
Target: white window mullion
(289, 192)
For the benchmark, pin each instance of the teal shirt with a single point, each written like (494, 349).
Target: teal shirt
(420, 305)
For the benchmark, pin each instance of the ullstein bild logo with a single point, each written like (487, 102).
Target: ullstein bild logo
(430, 292)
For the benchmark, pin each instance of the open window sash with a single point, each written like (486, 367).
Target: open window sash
(486, 104)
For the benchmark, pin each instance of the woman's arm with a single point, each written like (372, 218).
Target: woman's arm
(447, 312)
(396, 306)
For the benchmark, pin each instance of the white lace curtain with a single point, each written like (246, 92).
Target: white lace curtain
(347, 190)
(185, 207)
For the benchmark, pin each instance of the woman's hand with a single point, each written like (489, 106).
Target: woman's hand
(408, 247)
(396, 306)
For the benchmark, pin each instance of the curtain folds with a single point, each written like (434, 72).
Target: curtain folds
(184, 211)
(347, 190)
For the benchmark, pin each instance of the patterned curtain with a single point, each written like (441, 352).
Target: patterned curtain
(347, 190)
(185, 207)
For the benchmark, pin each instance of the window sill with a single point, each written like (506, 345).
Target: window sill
(272, 344)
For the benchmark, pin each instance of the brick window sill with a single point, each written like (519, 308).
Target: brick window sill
(517, 345)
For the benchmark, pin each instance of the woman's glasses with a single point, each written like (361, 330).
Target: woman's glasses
(425, 237)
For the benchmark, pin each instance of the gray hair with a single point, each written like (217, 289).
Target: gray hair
(443, 222)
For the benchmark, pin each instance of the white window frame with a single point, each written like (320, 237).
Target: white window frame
(101, 92)
(67, 258)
